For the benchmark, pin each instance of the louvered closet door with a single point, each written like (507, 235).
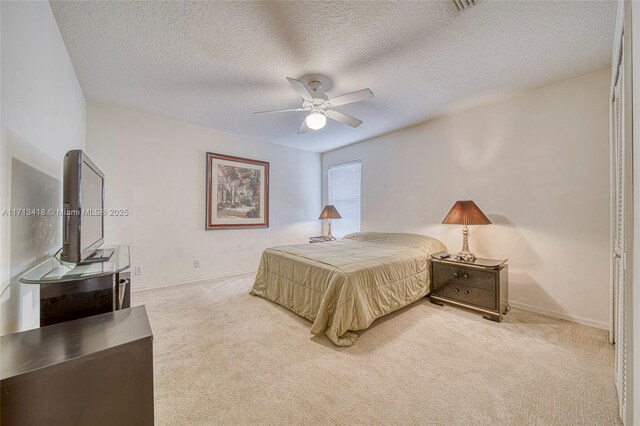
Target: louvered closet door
(622, 228)
(620, 309)
(622, 213)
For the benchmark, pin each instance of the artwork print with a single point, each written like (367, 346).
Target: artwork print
(237, 192)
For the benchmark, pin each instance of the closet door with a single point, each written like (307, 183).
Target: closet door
(622, 221)
(618, 267)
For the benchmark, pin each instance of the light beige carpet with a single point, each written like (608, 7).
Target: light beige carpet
(223, 356)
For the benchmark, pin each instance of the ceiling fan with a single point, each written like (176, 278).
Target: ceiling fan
(320, 106)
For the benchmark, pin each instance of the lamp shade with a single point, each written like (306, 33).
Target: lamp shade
(330, 212)
(466, 213)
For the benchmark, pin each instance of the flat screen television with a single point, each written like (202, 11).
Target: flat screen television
(83, 206)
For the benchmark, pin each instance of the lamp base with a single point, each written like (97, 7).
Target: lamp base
(466, 256)
(329, 237)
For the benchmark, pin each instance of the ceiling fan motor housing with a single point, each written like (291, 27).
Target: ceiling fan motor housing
(315, 85)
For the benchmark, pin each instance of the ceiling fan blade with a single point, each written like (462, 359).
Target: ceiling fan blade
(303, 127)
(349, 98)
(343, 118)
(280, 110)
(301, 89)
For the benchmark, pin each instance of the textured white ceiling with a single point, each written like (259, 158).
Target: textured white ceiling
(215, 63)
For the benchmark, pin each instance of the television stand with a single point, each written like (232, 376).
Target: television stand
(69, 291)
(99, 255)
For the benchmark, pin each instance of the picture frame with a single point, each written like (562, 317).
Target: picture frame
(237, 192)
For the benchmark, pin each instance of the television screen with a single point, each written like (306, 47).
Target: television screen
(91, 192)
(83, 203)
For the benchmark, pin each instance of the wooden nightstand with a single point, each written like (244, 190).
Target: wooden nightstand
(481, 285)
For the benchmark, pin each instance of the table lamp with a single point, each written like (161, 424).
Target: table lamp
(466, 213)
(329, 212)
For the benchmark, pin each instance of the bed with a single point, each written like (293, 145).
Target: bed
(343, 286)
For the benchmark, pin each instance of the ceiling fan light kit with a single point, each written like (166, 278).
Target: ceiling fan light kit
(316, 120)
(320, 106)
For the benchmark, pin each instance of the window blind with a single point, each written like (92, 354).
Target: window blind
(344, 194)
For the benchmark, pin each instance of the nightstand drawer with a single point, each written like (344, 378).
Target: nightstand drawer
(445, 274)
(467, 294)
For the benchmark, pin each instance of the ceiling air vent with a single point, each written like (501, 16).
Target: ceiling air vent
(462, 5)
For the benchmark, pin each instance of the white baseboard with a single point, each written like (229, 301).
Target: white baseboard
(192, 280)
(561, 315)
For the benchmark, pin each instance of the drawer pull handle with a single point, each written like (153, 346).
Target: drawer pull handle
(456, 275)
(466, 292)
(466, 275)
(456, 290)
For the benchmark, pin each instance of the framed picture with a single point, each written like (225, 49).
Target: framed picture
(237, 192)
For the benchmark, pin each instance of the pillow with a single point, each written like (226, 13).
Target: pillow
(429, 244)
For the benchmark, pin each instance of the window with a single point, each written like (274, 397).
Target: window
(344, 194)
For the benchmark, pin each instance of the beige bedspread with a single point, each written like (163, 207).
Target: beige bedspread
(345, 285)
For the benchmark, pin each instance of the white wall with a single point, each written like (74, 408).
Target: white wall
(536, 164)
(43, 116)
(156, 168)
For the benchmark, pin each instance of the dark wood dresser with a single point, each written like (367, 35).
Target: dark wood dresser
(93, 371)
(481, 285)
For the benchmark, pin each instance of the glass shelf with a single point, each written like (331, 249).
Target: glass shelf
(53, 270)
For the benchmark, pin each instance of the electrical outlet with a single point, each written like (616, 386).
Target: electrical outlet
(196, 263)
(137, 270)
